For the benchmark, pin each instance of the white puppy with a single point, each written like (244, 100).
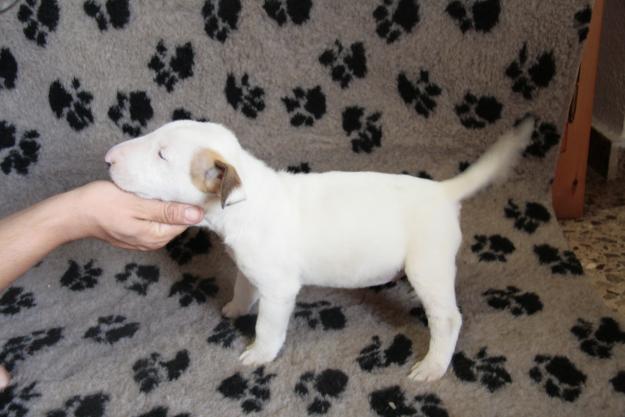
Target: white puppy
(336, 229)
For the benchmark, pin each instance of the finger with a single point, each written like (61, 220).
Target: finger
(172, 213)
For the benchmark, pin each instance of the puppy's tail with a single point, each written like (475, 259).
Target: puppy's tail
(494, 164)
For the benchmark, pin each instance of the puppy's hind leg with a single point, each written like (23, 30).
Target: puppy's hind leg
(433, 279)
(245, 295)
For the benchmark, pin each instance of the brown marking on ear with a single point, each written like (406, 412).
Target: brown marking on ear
(223, 184)
(230, 180)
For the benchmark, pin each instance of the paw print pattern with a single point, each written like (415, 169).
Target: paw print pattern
(391, 402)
(492, 248)
(327, 386)
(365, 132)
(511, 298)
(302, 168)
(345, 64)
(80, 278)
(138, 278)
(297, 11)
(39, 19)
(115, 13)
(419, 314)
(253, 391)
(533, 216)
(476, 112)
(20, 348)
(162, 412)
(221, 18)
(419, 94)
(153, 370)
(171, 69)
(559, 377)
(305, 106)
(321, 312)
(480, 15)
(14, 401)
(132, 112)
(544, 137)
(618, 383)
(192, 288)
(111, 329)
(21, 155)
(15, 299)
(194, 241)
(529, 77)
(183, 114)
(227, 331)
(72, 104)
(582, 22)
(420, 174)
(372, 356)
(488, 370)
(8, 69)
(93, 405)
(565, 263)
(250, 99)
(598, 343)
(395, 17)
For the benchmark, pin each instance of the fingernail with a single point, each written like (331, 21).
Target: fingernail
(192, 214)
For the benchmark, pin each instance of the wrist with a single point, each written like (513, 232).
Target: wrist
(66, 220)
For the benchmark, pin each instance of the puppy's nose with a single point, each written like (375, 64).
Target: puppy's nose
(110, 156)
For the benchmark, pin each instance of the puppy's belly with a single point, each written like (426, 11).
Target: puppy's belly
(354, 274)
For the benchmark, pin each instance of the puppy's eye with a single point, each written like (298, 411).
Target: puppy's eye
(160, 155)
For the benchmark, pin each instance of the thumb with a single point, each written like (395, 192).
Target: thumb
(173, 213)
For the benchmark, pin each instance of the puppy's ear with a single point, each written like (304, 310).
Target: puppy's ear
(211, 173)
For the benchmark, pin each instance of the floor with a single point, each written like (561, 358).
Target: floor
(598, 238)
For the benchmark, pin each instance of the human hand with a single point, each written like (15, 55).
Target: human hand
(127, 221)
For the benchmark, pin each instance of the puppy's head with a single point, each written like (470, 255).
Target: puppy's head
(185, 161)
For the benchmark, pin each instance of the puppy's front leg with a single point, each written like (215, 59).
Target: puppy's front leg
(273, 320)
(245, 295)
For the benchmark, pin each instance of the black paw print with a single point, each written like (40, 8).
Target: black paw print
(253, 391)
(489, 370)
(21, 155)
(559, 377)
(111, 329)
(116, 13)
(476, 113)
(391, 402)
(8, 69)
(534, 215)
(463, 165)
(365, 132)
(419, 314)
(221, 18)
(131, 112)
(248, 97)
(93, 405)
(371, 356)
(138, 278)
(171, 69)
(321, 312)
(20, 348)
(598, 343)
(80, 278)
(194, 241)
(328, 384)
(544, 137)
(305, 106)
(582, 21)
(153, 370)
(388, 285)
(395, 17)
(618, 382)
(192, 288)
(15, 299)
(183, 114)
(14, 401)
(420, 174)
(161, 411)
(527, 80)
(73, 105)
(283, 10)
(492, 248)
(345, 64)
(39, 19)
(303, 167)
(227, 331)
(481, 15)
(511, 298)
(565, 263)
(420, 93)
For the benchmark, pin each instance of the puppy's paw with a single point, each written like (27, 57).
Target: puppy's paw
(255, 355)
(232, 310)
(427, 371)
